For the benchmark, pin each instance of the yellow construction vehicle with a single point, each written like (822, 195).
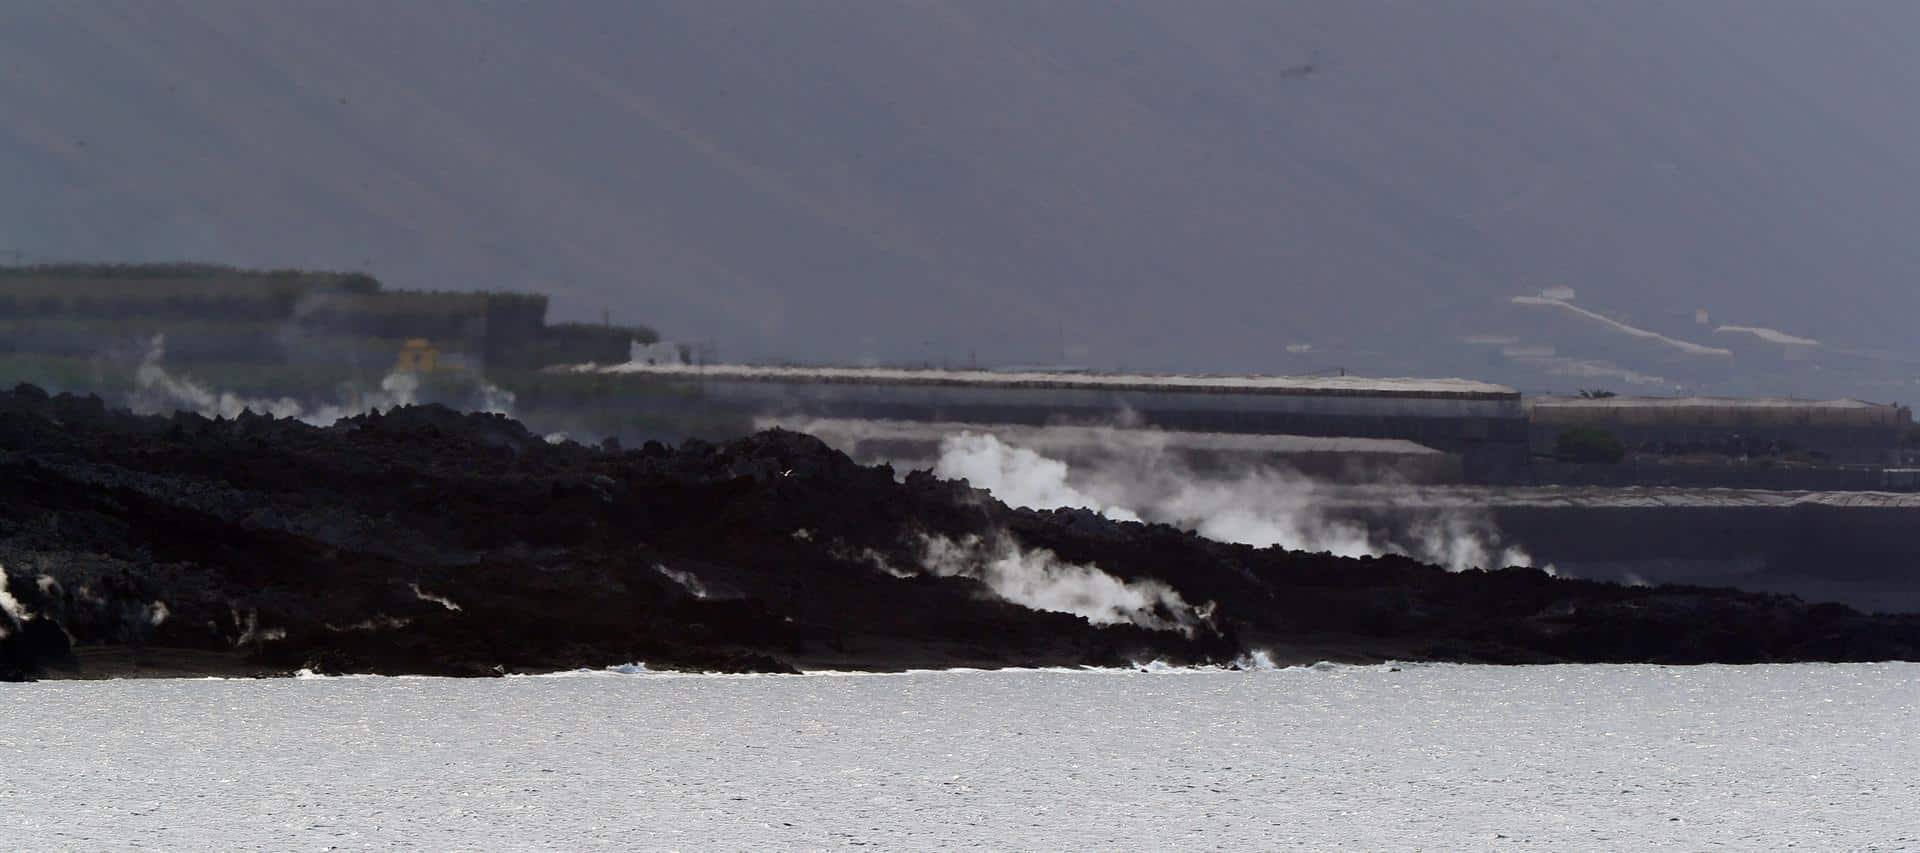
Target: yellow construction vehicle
(418, 355)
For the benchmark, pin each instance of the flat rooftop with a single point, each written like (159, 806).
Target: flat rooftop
(1119, 438)
(1355, 386)
(1700, 403)
(1340, 496)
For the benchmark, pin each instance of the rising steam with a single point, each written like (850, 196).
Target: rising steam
(1260, 506)
(429, 597)
(159, 391)
(686, 580)
(1016, 475)
(16, 613)
(1039, 580)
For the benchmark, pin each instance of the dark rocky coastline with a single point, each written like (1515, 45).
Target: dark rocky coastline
(429, 541)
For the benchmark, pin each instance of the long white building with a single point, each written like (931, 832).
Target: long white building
(1484, 423)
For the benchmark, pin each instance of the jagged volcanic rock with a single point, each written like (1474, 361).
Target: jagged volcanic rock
(429, 541)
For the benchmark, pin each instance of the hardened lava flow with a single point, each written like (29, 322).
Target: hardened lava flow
(423, 540)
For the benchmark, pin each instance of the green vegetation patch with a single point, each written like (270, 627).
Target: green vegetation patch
(1589, 445)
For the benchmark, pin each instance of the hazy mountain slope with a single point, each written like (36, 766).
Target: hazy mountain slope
(1155, 184)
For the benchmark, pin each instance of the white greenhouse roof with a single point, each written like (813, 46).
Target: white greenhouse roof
(1302, 385)
(1699, 403)
(1125, 438)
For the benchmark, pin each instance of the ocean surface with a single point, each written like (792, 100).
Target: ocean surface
(1435, 757)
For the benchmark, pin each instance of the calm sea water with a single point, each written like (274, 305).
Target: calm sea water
(1425, 757)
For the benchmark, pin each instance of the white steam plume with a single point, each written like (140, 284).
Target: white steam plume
(1039, 580)
(1017, 476)
(376, 622)
(1260, 506)
(158, 391)
(15, 611)
(495, 400)
(687, 580)
(426, 596)
(250, 631)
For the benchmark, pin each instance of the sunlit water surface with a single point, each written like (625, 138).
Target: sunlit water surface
(1433, 757)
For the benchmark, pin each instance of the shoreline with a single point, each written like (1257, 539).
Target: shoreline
(121, 663)
(426, 541)
(642, 670)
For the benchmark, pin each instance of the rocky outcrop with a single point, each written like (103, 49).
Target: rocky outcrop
(428, 541)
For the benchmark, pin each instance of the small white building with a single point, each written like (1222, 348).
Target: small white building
(657, 353)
